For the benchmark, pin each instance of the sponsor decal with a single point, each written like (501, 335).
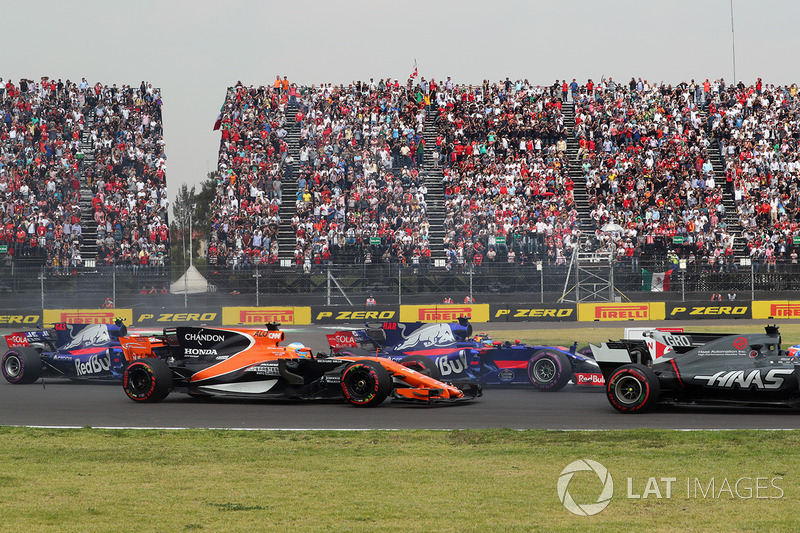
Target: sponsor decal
(622, 312)
(264, 370)
(16, 340)
(427, 336)
(263, 317)
(83, 317)
(582, 378)
(19, 319)
(738, 311)
(740, 343)
(506, 375)
(94, 365)
(785, 310)
(446, 314)
(177, 317)
(527, 314)
(454, 365)
(86, 316)
(354, 316)
(204, 337)
(754, 378)
(195, 352)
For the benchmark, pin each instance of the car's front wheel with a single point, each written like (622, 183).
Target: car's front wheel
(22, 365)
(633, 388)
(147, 380)
(366, 384)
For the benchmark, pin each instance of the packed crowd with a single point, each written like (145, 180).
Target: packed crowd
(41, 164)
(508, 195)
(644, 150)
(758, 131)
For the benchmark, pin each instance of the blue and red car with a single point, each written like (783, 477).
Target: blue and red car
(73, 351)
(452, 351)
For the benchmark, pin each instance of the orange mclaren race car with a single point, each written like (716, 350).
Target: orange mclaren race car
(250, 363)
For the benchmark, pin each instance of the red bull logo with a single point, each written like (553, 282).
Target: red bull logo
(99, 317)
(266, 315)
(443, 314)
(621, 312)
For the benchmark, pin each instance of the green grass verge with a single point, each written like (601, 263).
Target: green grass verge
(537, 334)
(481, 480)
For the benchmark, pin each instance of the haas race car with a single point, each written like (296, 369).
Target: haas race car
(74, 351)
(250, 363)
(673, 366)
(451, 351)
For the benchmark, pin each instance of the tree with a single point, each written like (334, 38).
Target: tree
(195, 207)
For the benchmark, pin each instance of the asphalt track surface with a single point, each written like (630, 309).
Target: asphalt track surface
(63, 403)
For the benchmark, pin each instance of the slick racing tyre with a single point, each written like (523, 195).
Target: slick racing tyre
(22, 365)
(423, 365)
(147, 380)
(366, 383)
(633, 388)
(549, 371)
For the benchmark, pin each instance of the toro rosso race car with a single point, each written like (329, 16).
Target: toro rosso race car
(250, 363)
(711, 368)
(452, 351)
(74, 351)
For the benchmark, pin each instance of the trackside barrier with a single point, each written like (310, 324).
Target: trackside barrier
(608, 312)
(789, 309)
(178, 317)
(258, 316)
(533, 313)
(358, 315)
(695, 310)
(87, 316)
(444, 313)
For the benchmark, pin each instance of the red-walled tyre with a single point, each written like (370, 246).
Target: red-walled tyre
(147, 380)
(549, 371)
(366, 384)
(423, 365)
(22, 365)
(633, 389)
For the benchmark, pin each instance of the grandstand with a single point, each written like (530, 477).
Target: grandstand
(82, 169)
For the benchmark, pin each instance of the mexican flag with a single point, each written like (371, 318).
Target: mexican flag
(655, 281)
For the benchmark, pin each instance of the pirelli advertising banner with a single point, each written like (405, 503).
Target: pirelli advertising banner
(776, 309)
(359, 315)
(87, 316)
(614, 312)
(693, 310)
(444, 313)
(258, 316)
(534, 313)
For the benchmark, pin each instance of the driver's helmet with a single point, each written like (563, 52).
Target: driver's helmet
(483, 338)
(794, 351)
(298, 349)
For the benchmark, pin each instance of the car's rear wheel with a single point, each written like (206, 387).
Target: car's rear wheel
(549, 371)
(633, 388)
(22, 365)
(366, 383)
(147, 380)
(423, 365)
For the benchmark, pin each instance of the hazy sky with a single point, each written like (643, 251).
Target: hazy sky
(193, 50)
